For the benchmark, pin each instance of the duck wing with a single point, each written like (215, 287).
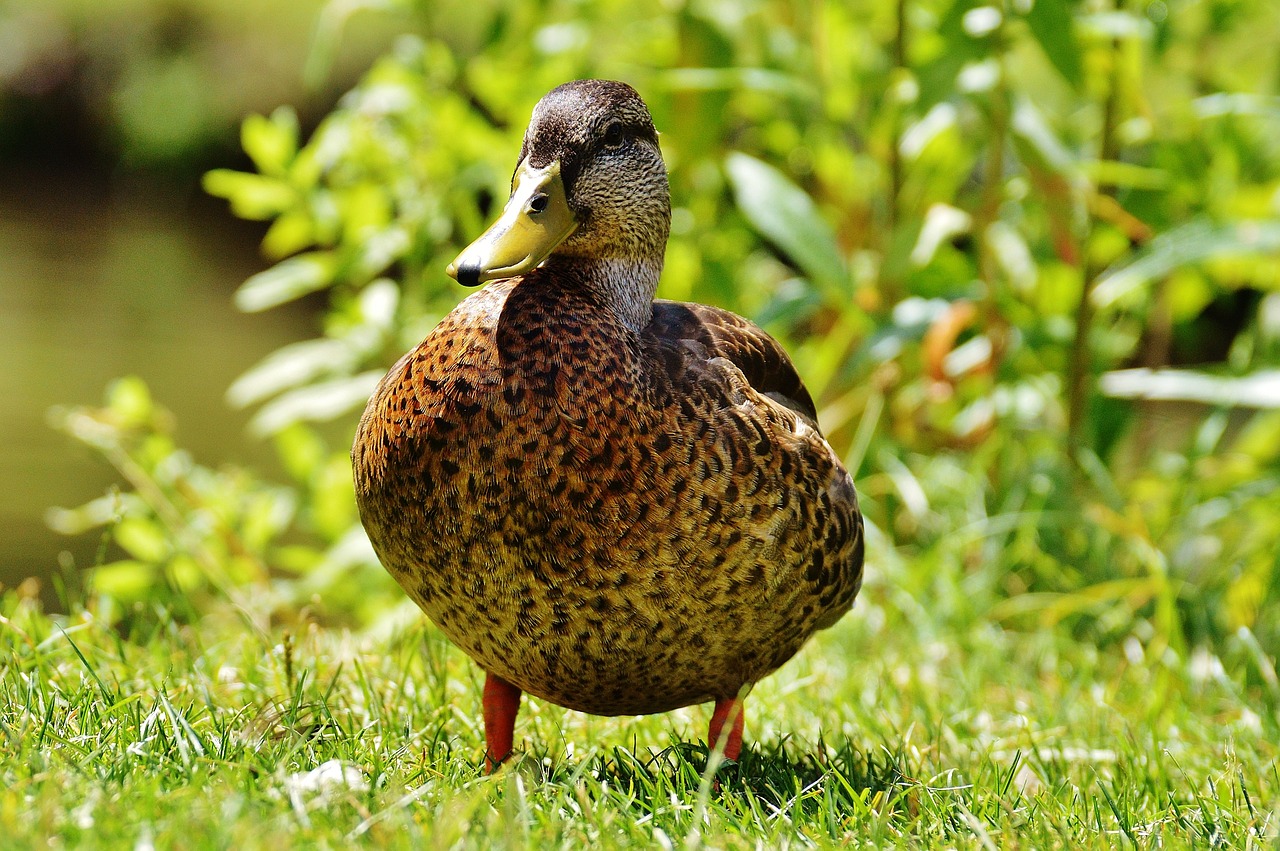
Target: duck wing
(761, 359)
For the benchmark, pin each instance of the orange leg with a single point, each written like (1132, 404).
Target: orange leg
(727, 709)
(501, 703)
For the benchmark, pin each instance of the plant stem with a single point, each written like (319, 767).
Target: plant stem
(1079, 367)
(895, 152)
(988, 206)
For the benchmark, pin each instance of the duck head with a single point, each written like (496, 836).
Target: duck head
(590, 191)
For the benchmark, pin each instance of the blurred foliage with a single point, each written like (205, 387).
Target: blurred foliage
(151, 83)
(966, 221)
(189, 532)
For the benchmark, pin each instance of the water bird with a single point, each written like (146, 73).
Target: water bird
(618, 504)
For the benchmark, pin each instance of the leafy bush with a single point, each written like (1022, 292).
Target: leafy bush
(969, 223)
(194, 535)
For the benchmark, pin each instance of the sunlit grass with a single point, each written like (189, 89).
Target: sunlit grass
(217, 736)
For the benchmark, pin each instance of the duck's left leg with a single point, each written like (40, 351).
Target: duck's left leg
(727, 709)
(501, 703)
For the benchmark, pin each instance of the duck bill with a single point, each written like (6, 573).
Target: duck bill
(534, 222)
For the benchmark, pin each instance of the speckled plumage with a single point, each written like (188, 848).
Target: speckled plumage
(618, 505)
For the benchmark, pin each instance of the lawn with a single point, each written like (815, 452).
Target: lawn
(894, 728)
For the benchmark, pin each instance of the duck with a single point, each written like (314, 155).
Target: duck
(619, 504)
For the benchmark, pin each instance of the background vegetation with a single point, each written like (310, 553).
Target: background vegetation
(1024, 255)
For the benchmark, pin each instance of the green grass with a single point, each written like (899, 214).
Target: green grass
(894, 728)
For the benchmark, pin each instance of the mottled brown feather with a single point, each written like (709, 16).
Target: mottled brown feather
(764, 363)
(618, 519)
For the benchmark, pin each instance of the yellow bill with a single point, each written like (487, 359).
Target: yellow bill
(534, 222)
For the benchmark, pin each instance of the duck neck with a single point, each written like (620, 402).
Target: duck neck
(624, 285)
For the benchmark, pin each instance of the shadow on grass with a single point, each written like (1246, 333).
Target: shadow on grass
(840, 780)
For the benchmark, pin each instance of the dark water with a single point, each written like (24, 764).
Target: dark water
(97, 284)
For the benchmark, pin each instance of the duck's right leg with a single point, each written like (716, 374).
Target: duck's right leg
(501, 703)
(727, 709)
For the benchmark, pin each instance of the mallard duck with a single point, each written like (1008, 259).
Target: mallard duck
(616, 504)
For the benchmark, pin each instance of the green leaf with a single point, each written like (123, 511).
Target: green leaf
(301, 451)
(378, 249)
(286, 281)
(378, 303)
(288, 234)
(333, 499)
(289, 367)
(1194, 242)
(125, 580)
(271, 142)
(267, 515)
(1260, 438)
(317, 402)
(94, 514)
(129, 399)
(1126, 175)
(186, 572)
(1055, 172)
(1260, 389)
(937, 78)
(142, 539)
(737, 79)
(1237, 103)
(942, 223)
(1116, 25)
(252, 196)
(787, 216)
(1037, 141)
(1051, 24)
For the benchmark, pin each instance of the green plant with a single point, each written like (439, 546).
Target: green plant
(961, 217)
(206, 536)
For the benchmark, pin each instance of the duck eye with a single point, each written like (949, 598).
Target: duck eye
(613, 135)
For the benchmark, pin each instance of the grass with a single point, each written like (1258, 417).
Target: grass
(891, 729)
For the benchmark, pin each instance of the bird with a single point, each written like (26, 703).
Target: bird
(619, 504)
